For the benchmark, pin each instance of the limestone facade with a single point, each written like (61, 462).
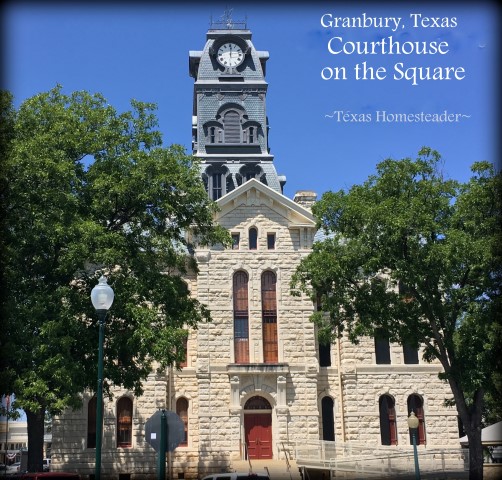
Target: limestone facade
(283, 391)
(217, 388)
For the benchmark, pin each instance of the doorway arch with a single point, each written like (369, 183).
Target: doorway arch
(258, 428)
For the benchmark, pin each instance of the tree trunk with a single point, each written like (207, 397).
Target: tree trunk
(471, 420)
(475, 454)
(35, 439)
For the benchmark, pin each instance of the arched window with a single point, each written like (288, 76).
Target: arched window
(269, 317)
(182, 411)
(232, 126)
(328, 419)
(216, 186)
(229, 184)
(241, 317)
(253, 238)
(124, 422)
(388, 431)
(91, 423)
(257, 403)
(416, 405)
(216, 181)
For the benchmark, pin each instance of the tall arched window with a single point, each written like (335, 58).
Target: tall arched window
(328, 419)
(269, 317)
(216, 186)
(182, 411)
(241, 318)
(91, 423)
(416, 405)
(388, 431)
(124, 422)
(253, 238)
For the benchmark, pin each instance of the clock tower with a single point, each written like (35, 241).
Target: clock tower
(229, 123)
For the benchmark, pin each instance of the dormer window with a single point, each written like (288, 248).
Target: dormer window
(232, 127)
(250, 129)
(213, 132)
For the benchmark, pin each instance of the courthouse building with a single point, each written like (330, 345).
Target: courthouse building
(256, 382)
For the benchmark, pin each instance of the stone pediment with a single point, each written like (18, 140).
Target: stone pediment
(256, 194)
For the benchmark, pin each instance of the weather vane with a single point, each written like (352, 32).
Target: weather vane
(226, 18)
(226, 21)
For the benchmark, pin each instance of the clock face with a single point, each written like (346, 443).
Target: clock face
(230, 55)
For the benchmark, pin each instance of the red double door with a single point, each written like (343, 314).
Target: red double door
(258, 431)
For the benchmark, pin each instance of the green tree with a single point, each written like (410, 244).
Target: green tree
(90, 191)
(416, 254)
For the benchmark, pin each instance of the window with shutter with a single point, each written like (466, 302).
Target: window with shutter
(269, 317)
(388, 431)
(416, 405)
(241, 318)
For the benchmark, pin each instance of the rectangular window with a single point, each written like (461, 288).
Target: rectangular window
(91, 423)
(235, 241)
(410, 354)
(217, 190)
(271, 241)
(382, 348)
(324, 354)
(184, 363)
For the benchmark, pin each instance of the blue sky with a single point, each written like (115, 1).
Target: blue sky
(140, 50)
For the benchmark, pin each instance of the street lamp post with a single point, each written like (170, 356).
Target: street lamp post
(413, 425)
(102, 299)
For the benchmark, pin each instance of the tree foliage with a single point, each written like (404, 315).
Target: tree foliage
(89, 191)
(417, 255)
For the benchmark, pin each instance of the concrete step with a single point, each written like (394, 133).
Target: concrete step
(277, 469)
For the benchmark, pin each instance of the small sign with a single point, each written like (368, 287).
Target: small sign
(175, 430)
